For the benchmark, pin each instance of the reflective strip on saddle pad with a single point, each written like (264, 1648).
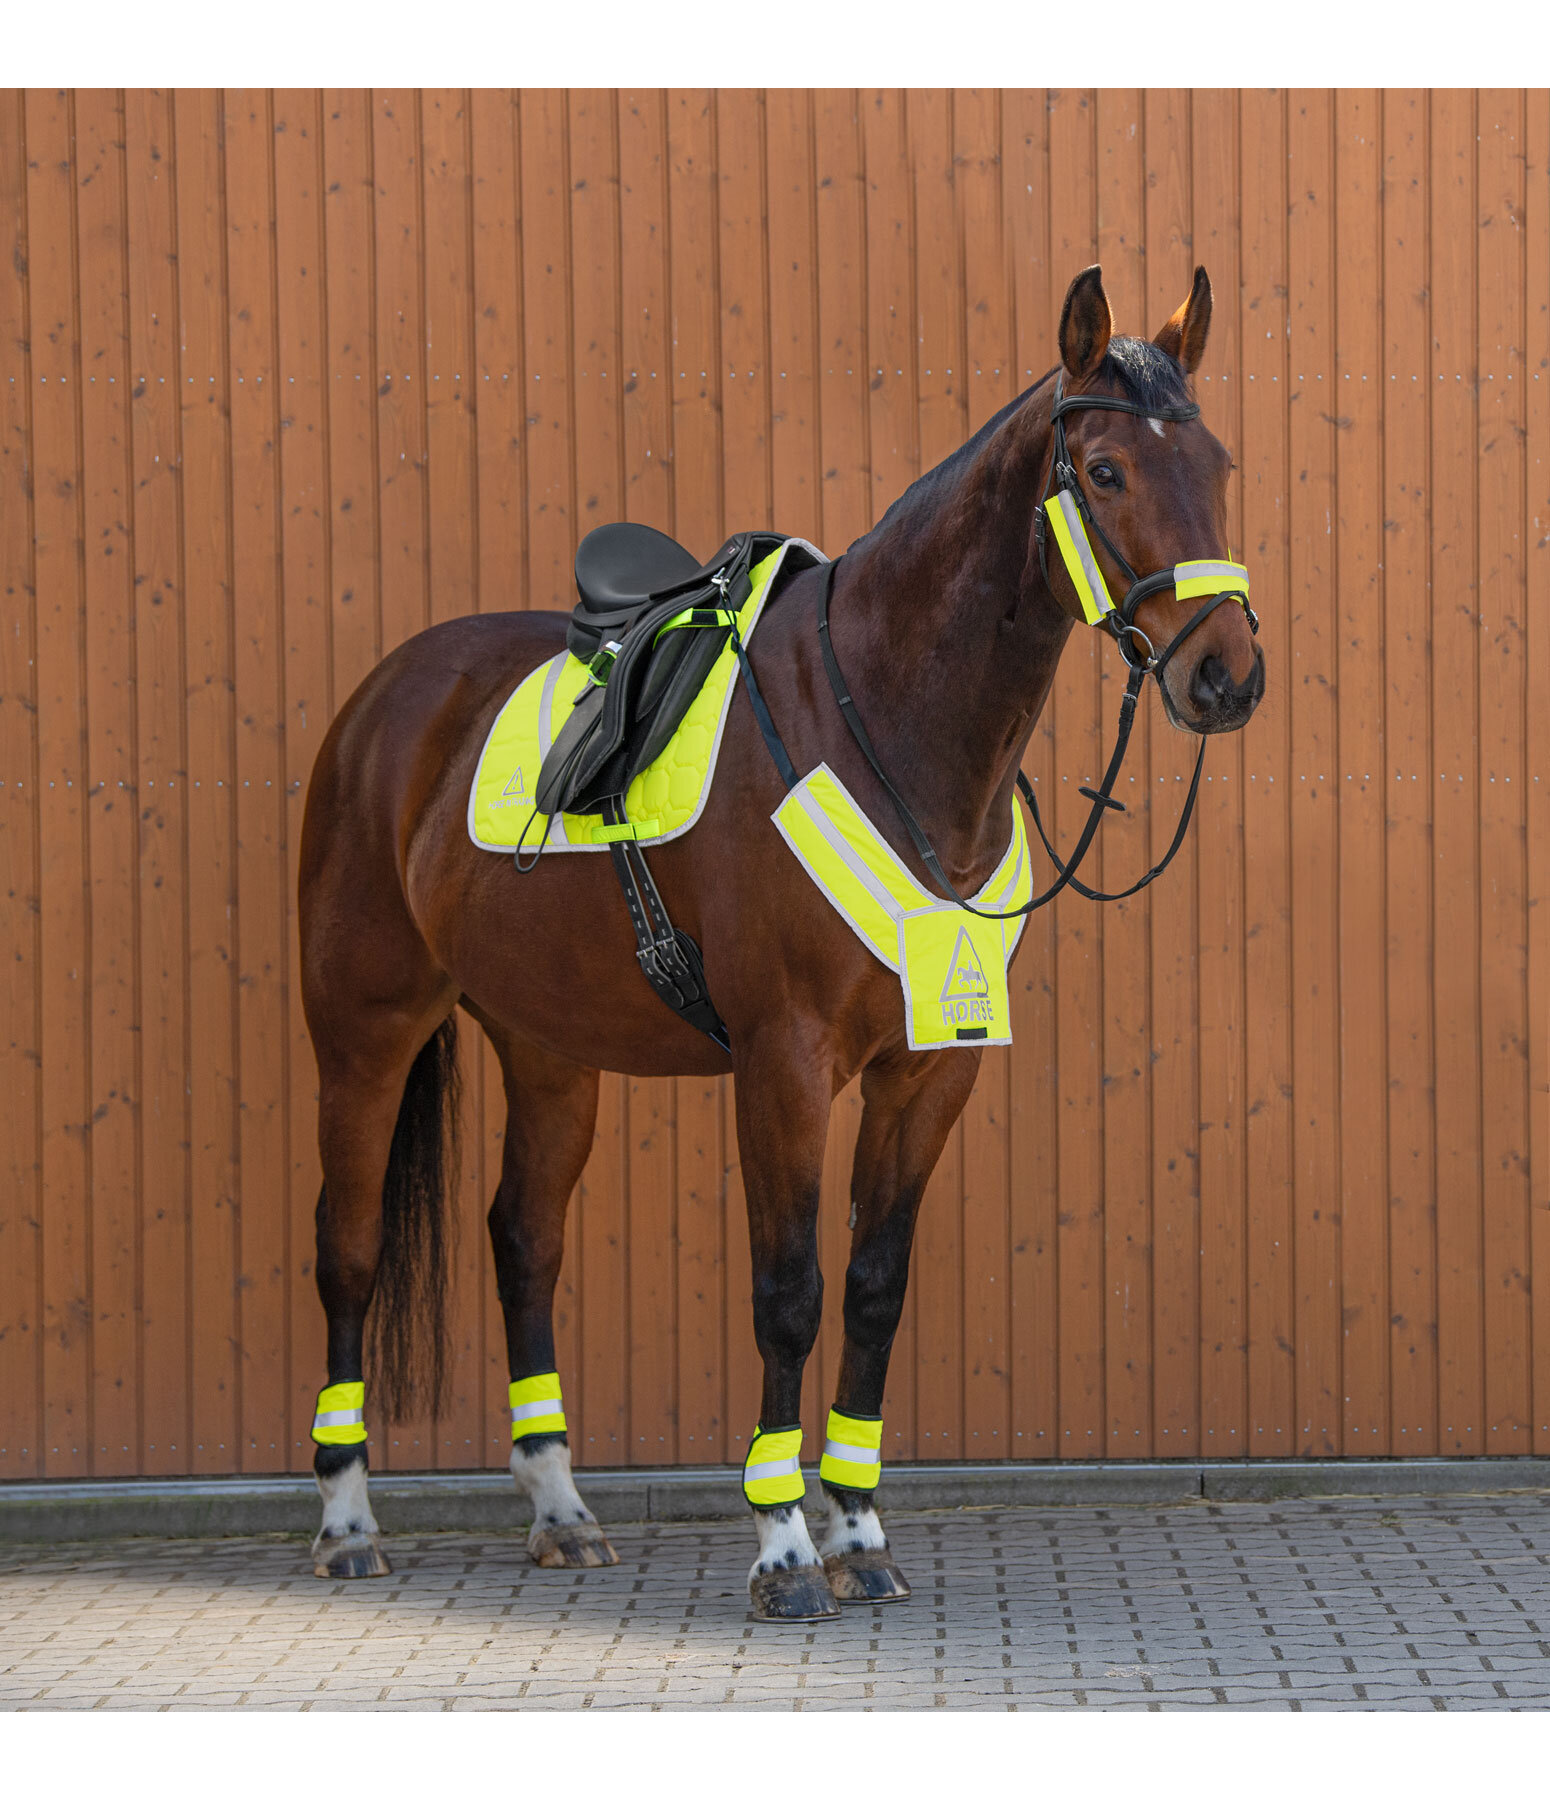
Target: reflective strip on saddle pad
(952, 964)
(663, 800)
(852, 1451)
(772, 1470)
(341, 1414)
(535, 1406)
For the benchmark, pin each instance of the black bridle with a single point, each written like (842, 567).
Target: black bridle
(1120, 621)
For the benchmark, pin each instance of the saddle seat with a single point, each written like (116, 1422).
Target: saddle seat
(649, 624)
(620, 568)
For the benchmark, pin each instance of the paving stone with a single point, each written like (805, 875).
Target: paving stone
(1386, 1603)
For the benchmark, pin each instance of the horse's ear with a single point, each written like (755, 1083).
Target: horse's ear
(1086, 324)
(1184, 336)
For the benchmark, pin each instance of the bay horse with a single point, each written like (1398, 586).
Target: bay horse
(949, 621)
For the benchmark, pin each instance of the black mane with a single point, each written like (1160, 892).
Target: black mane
(1140, 370)
(1147, 375)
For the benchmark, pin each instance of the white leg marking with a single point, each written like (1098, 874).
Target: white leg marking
(783, 1542)
(346, 1507)
(544, 1476)
(852, 1527)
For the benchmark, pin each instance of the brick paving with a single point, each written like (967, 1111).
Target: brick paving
(1383, 1603)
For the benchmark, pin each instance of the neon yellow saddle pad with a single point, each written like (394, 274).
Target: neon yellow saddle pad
(663, 800)
(951, 963)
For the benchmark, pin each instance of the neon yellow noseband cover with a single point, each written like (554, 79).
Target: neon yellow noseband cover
(341, 1414)
(852, 1451)
(535, 1406)
(772, 1471)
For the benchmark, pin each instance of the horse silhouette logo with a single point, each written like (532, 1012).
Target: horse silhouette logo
(965, 973)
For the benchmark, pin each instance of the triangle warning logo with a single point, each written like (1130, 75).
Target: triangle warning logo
(965, 974)
(514, 789)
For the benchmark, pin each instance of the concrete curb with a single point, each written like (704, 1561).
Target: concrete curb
(481, 1501)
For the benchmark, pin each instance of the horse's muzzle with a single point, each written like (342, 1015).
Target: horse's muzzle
(1220, 703)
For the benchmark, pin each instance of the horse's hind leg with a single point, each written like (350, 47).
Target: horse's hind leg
(382, 1088)
(551, 1108)
(910, 1109)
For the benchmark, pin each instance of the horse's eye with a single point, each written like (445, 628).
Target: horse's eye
(1105, 475)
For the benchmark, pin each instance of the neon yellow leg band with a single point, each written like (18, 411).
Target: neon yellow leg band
(852, 1451)
(341, 1414)
(772, 1472)
(535, 1406)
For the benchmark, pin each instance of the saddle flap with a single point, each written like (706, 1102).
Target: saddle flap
(653, 675)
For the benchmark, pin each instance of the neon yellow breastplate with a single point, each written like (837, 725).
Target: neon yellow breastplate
(951, 963)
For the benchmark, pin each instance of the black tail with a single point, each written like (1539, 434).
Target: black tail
(408, 1325)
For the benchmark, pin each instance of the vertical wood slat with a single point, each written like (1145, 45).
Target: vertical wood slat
(699, 385)
(1076, 968)
(261, 853)
(1357, 776)
(162, 771)
(1216, 209)
(107, 570)
(1175, 995)
(1536, 793)
(64, 1043)
(985, 350)
(301, 373)
(1455, 869)
(598, 1209)
(1500, 377)
(1033, 1121)
(1125, 1041)
(1313, 1222)
(1267, 950)
(204, 401)
(21, 1387)
(1405, 399)
(1315, 1086)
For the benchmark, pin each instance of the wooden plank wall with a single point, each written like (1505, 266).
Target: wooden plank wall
(286, 376)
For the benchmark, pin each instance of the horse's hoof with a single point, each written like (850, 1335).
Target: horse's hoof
(349, 1558)
(580, 1546)
(866, 1575)
(793, 1596)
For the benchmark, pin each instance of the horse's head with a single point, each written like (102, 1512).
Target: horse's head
(1153, 489)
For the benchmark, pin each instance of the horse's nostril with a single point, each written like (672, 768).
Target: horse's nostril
(1212, 684)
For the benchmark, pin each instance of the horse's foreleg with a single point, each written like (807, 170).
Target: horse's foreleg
(783, 1099)
(551, 1107)
(910, 1108)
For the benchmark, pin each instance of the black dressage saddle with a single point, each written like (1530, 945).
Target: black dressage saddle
(649, 625)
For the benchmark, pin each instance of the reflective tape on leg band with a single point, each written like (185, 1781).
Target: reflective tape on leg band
(341, 1414)
(535, 1406)
(772, 1473)
(852, 1451)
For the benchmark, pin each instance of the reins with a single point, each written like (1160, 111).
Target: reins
(1061, 488)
